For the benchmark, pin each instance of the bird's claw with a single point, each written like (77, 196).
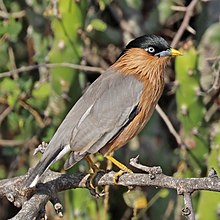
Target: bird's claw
(117, 175)
(93, 182)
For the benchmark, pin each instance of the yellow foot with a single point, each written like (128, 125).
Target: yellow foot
(122, 167)
(95, 172)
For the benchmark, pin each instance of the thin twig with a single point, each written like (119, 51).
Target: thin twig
(18, 14)
(52, 65)
(169, 125)
(2, 6)
(189, 13)
(11, 143)
(151, 170)
(34, 112)
(5, 113)
(12, 61)
(188, 209)
(178, 8)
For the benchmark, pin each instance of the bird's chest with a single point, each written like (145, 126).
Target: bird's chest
(147, 105)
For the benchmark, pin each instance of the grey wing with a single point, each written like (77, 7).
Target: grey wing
(116, 97)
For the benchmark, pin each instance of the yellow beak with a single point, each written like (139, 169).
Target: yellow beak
(169, 52)
(175, 52)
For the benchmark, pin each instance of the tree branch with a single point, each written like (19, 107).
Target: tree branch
(34, 201)
(52, 65)
(185, 24)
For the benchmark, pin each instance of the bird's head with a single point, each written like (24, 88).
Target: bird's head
(145, 55)
(154, 46)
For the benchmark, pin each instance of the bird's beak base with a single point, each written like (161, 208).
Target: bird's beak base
(169, 52)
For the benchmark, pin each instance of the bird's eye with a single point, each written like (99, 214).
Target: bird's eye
(150, 49)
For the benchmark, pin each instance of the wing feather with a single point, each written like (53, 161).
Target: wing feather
(116, 97)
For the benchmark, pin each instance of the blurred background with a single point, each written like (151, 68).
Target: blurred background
(39, 42)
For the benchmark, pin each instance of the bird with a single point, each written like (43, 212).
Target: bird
(114, 108)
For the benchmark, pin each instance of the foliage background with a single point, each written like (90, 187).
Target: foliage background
(34, 97)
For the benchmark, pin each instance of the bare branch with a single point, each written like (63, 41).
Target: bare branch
(178, 8)
(169, 124)
(5, 113)
(151, 170)
(55, 182)
(52, 65)
(11, 143)
(6, 15)
(185, 24)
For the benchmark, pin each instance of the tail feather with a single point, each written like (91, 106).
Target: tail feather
(50, 156)
(37, 172)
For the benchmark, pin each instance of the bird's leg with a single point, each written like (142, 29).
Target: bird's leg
(122, 167)
(91, 164)
(95, 171)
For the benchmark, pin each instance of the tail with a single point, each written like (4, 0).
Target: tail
(37, 172)
(49, 157)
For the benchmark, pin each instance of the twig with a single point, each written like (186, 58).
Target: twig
(185, 23)
(178, 138)
(34, 112)
(18, 14)
(212, 58)
(169, 125)
(4, 114)
(2, 6)
(11, 143)
(178, 8)
(151, 170)
(52, 65)
(188, 209)
(12, 61)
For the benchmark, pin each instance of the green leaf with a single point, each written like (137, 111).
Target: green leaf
(4, 55)
(11, 90)
(2, 172)
(13, 121)
(12, 100)
(103, 4)
(14, 27)
(42, 91)
(8, 85)
(98, 25)
(164, 193)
